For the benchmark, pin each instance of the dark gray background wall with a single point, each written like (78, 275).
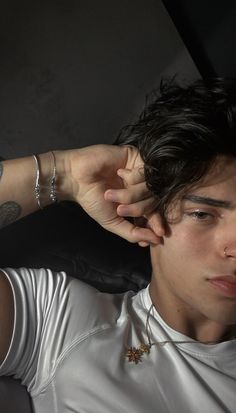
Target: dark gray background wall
(73, 72)
(208, 30)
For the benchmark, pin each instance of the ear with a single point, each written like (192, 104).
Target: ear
(156, 223)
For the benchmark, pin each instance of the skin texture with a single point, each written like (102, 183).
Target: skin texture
(194, 240)
(9, 211)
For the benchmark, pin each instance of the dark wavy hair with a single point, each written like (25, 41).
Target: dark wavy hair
(181, 132)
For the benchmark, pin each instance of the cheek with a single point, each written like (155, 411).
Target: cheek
(189, 242)
(180, 264)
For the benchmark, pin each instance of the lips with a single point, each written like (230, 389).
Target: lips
(225, 284)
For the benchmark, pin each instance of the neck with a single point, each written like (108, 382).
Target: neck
(183, 318)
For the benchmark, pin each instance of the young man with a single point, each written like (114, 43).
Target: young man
(171, 347)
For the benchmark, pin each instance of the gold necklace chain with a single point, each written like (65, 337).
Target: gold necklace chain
(135, 354)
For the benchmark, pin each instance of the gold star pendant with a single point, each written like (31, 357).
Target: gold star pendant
(135, 354)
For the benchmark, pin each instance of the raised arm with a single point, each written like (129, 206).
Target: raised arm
(18, 182)
(106, 180)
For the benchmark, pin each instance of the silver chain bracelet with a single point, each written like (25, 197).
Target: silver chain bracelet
(38, 188)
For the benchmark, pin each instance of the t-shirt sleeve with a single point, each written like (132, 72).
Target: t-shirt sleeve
(47, 320)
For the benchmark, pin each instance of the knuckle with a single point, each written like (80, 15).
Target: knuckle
(137, 210)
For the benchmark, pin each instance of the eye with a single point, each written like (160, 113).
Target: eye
(201, 216)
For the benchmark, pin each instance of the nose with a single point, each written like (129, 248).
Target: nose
(230, 252)
(226, 236)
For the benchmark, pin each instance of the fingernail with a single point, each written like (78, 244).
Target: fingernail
(143, 244)
(120, 172)
(110, 196)
(123, 211)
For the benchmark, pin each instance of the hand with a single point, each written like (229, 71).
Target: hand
(108, 183)
(135, 199)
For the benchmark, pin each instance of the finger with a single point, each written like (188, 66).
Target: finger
(128, 195)
(137, 209)
(132, 176)
(132, 233)
(143, 244)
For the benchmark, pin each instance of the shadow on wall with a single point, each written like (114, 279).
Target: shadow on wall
(72, 72)
(208, 33)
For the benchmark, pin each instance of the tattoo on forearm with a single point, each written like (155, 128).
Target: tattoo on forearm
(1, 169)
(9, 212)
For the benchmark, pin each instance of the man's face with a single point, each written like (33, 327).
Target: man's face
(189, 262)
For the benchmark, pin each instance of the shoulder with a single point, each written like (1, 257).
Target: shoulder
(93, 308)
(54, 294)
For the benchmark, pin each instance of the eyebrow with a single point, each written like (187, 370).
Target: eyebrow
(208, 201)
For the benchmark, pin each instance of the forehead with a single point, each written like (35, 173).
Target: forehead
(220, 179)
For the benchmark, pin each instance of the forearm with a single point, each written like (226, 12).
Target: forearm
(105, 180)
(18, 181)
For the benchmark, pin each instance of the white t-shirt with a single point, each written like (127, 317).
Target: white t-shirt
(69, 343)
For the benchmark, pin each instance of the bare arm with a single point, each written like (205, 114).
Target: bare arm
(17, 184)
(6, 315)
(87, 176)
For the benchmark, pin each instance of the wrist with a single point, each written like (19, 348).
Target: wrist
(48, 161)
(63, 176)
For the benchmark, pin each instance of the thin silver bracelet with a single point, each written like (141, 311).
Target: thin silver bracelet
(52, 195)
(37, 189)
